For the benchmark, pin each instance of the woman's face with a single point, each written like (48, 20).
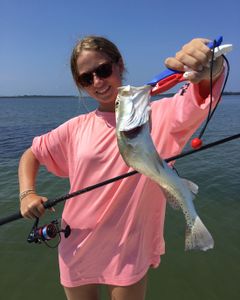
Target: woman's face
(104, 90)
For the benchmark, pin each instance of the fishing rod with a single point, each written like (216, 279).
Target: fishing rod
(49, 231)
(52, 202)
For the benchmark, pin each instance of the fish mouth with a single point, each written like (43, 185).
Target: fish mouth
(132, 132)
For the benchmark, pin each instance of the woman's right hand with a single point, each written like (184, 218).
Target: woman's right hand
(32, 207)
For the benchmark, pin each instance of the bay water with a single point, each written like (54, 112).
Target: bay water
(30, 271)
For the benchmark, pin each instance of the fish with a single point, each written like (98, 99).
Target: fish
(133, 132)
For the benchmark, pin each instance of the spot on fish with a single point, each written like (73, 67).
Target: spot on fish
(172, 200)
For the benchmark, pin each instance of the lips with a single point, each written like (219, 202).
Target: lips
(103, 91)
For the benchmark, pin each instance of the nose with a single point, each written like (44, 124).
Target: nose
(96, 79)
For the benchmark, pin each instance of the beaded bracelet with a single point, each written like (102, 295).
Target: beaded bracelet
(24, 194)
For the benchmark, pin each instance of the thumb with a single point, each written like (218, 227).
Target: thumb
(44, 199)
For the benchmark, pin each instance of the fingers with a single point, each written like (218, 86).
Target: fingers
(32, 206)
(193, 59)
(196, 77)
(195, 55)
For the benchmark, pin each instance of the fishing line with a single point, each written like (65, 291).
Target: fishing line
(211, 112)
(224, 84)
(211, 94)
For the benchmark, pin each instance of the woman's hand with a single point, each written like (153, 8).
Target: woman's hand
(32, 206)
(195, 56)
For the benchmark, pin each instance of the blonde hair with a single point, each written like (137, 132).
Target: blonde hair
(94, 43)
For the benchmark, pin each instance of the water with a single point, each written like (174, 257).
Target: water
(30, 271)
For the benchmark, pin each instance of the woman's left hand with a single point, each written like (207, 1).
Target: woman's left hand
(195, 56)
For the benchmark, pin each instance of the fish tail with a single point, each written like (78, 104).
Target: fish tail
(198, 237)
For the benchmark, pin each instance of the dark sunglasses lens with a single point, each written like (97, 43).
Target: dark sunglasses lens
(85, 79)
(104, 71)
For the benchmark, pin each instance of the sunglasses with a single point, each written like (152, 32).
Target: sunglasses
(102, 71)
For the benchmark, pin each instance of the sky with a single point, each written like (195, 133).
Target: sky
(37, 37)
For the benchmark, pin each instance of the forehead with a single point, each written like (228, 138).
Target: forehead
(90, 59)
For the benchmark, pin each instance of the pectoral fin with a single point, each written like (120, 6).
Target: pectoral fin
(193, 187)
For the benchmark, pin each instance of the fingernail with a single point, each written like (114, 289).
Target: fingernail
(186, 74)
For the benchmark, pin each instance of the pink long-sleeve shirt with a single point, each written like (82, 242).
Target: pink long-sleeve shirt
(117, 230)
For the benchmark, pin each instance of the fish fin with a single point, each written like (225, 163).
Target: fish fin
(190, 185)
(193, 187)
(198, 237)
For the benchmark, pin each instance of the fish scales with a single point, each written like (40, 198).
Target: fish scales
(138, 151)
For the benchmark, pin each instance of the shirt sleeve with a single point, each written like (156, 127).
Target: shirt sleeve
(50, 150)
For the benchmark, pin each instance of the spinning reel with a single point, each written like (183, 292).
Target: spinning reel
(47, 232)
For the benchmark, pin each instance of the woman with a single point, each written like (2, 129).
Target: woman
(117, 230)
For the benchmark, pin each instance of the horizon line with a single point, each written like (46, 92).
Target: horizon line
(85, 96)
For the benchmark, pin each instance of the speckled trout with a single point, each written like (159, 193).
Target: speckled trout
(138, 151)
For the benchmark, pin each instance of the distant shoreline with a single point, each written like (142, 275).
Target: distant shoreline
(75, 96)
(42, 96)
